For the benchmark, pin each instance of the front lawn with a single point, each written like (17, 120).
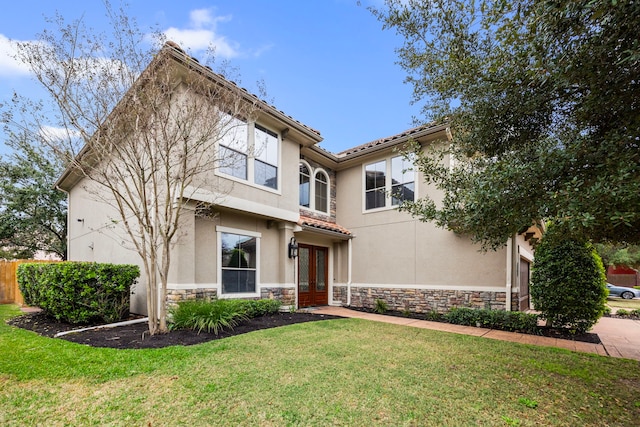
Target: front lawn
(627, 304)
(338, 372)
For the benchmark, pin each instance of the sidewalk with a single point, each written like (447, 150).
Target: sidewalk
(620, 337)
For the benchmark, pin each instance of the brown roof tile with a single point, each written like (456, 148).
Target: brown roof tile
(307, 221)
(404, 135)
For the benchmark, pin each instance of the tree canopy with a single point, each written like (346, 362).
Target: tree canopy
(543, 99)
(33, 214)
(619, 255)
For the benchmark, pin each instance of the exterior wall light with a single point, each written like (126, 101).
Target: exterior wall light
(293, 248)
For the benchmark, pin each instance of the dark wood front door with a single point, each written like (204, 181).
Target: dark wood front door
(313, 269)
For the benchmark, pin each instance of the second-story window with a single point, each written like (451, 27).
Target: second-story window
(322, 188)
(314, 188)
(305, 186)
(266, 157)
(388, 183)
(402, 180)
(234, 148)
(376, 178)
(249, 152)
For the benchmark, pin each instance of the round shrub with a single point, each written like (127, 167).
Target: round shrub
(568, 283)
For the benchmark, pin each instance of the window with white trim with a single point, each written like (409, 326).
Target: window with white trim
(314, 193)
(388, 182)
(375, 184)
(239, 252)
(305, 186)
(402, 181)
(249, 152)
(266, 159)
(322, 191)
(234, 148)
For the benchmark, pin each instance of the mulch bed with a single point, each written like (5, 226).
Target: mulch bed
(542, 331)
(137, 335)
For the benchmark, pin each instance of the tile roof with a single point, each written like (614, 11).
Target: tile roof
(399, 137)
(306, 221)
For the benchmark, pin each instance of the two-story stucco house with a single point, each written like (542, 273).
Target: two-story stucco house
(311, 227)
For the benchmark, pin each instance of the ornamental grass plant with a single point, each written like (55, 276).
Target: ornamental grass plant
(218, 314)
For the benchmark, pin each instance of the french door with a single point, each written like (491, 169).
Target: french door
(313, 269)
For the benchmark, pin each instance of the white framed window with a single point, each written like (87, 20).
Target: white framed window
(239, 262)
(388, 182)
(234, 148)
(314, 188)
(322, 191)
(305, 185)
(249, 152)
(266, 157)
(402, 180)
(375, 185)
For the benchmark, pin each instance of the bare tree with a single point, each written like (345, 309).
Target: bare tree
(140, 130)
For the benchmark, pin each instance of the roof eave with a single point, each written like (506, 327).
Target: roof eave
(318, 230)
(347, 160)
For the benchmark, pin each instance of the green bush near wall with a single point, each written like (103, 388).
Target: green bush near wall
(79, 292)
(514, 321)
(568, 282)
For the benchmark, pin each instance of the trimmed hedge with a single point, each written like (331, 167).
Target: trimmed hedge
(514, 321)
(261, 307)
(79, 292)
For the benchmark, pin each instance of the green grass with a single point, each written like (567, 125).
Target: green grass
(338, 372)
(627, 304)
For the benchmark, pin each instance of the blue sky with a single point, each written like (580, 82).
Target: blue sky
(326, 63)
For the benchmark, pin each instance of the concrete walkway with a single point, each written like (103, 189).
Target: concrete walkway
(620, 337)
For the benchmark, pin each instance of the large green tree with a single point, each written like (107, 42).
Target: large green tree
(621, 255)
(33, 214)
(543, 98)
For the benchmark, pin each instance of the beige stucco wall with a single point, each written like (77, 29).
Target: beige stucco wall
(194, 262)
(393, 248)
(194, 255)
(285, 197)
(94, 237)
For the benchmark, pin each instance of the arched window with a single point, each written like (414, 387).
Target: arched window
(322, 191)
(314, 188)
(305, 185)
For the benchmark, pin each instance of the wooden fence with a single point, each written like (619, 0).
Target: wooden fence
(9, 292)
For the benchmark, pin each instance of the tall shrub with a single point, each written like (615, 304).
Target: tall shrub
(568, 284)
(79, 292)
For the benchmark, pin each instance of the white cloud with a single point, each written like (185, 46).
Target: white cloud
(201, 33)
(54, 134)
(9, 66)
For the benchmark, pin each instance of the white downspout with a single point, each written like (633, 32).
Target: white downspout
(509, 280)
(349, 268)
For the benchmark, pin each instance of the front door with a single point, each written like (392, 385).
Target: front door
(313, 268)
